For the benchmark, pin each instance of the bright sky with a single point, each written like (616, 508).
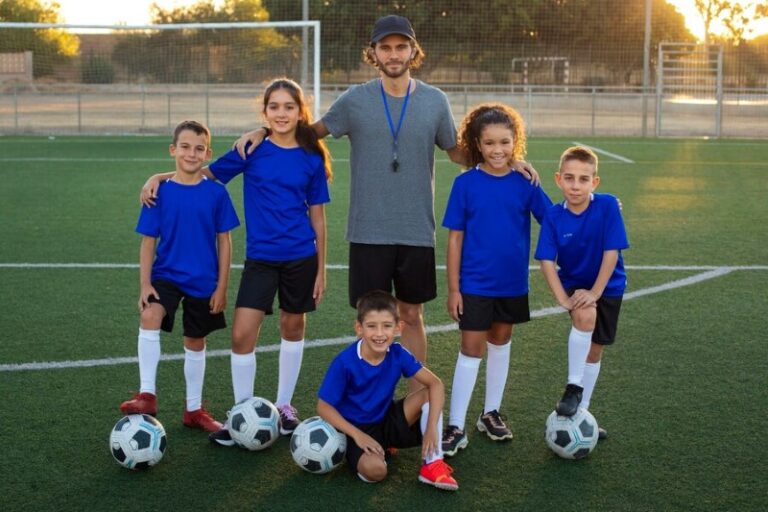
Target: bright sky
(111, 12)
(136, 12)
(696, 25)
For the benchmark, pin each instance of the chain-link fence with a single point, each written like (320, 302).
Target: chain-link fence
(570, 67)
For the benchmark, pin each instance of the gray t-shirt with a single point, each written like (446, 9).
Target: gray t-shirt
(387, 207)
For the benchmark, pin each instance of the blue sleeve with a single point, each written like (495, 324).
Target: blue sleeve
(540, 203)
(408, 363)
(615, 235)
(149, 220)
(332, 388)
(228, 166)
(226, 217)
(455, 217)
(318, 187)
(546, 248)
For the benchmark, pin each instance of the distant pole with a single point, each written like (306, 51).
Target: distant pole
(304, 44)
(646, 65)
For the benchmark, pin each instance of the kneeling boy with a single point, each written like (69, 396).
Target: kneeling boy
(356, 397)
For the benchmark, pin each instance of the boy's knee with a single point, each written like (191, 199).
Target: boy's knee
(292, 326)
(152, 317)
(595, 353)
(372, 468)
(584, 319)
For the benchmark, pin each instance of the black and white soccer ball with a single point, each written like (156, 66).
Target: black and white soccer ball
(316, 446)
(137, 441)
(254, 423)
(572, 437)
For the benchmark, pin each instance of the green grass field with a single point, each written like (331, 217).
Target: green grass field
(682, 393)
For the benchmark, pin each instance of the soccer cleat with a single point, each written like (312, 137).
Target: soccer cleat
(221, 437)
(438, 474)
(454, 439)
(569, 404)
(202, 419)
(141, 403)
(289, 419)
(602, 434)
(492, 423)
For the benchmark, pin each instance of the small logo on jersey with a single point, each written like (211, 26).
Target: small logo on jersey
(567, 235)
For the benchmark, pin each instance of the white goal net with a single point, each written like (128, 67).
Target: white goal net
(144, 79)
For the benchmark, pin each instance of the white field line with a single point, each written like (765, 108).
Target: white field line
(607, 153)
(340, 266)
(111, 361)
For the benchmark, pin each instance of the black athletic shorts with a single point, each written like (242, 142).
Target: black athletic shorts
(198, 320)
(409, 269)
(293, 282)
(608, 309)
(480, 311)
(391, 432)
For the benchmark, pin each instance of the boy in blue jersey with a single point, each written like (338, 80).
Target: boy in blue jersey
(584, 235)
(489, 217)
(356, 397)
(185, 257)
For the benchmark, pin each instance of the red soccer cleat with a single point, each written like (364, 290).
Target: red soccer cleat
(201, 419)
(141, 403)
(438, 474)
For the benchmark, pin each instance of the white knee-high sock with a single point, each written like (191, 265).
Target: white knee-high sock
(464, 379)
(591, 372)
(438, 453)
(578, 348)
(149, 358)
(496, 371)
(194, 374)
(291, 353)
(243, 375)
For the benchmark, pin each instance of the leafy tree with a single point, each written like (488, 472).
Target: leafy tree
(50, 47)
(206, 55)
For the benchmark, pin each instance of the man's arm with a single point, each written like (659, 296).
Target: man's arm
(257, 136)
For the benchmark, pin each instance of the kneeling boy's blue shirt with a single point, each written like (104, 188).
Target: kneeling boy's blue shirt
(360, 391)
(186, 219)
(494, 212)
(577, 243)
(279, 186)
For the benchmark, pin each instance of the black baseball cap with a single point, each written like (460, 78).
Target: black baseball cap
(392, 24)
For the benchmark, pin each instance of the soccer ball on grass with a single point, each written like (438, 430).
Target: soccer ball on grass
(254, 423)
(572, 437)
(316, 446)
(137, 441)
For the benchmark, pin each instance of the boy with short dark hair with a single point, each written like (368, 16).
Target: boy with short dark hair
(585, 235)
(189, 264)
(356, 397)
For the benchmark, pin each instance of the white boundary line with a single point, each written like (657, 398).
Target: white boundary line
(340, 266)
(604, 152)
(111, 361)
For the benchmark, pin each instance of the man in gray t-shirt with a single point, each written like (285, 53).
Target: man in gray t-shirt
(393, 124)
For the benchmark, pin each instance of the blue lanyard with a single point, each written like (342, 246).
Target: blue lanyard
(392, 130)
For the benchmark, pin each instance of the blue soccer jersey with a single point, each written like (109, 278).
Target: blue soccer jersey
(279, 186)
(577, 242)
(186, 219)
(494, 212)
(360, 391)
